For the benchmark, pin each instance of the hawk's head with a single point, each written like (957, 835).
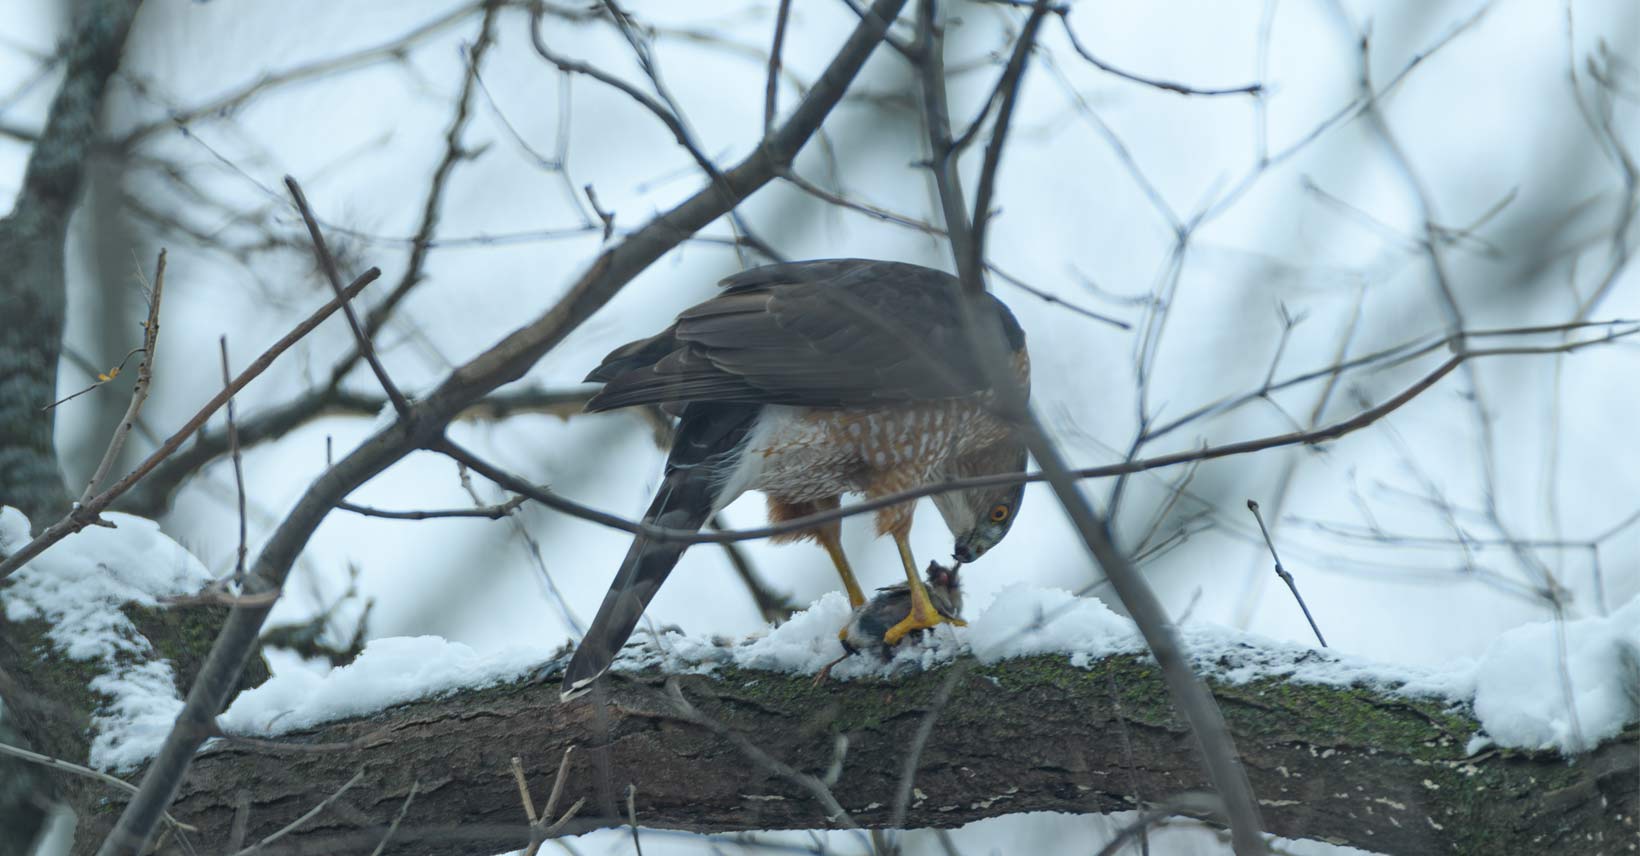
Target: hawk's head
(980, 517)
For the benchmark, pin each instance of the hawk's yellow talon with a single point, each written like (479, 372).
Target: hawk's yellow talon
(927, 621)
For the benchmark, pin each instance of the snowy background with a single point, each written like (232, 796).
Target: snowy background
(1418, 542)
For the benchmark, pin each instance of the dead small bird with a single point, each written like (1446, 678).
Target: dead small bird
(869, 623)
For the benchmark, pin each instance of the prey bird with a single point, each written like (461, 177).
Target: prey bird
(868, 625)
(807, 381)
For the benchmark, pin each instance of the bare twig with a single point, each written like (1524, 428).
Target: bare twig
(139, 391)
(523, 789)
(771, 88)
(925, 730)
(834, 810)
(1064, 14)
(632, 816)
(606, 217)
(101, 376)
(281, 419)
(390, 50)
(492, 512)
(558, 783)
(773, 606)
(238, 466)
(86, 513)
(432, 206)
(87, 772)
(1190, 805)
(1286, 577)
(397, 819)
(299, 822)
(327, 262)
(542, 826)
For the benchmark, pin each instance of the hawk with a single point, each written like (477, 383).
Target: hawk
(807, 381)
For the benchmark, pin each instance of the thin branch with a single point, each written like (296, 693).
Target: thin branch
(327, 262)
(771, 88)
(399, 818)
(632, 816)
(665, 112)
(1334, 431)
(299, 822)
(925, 730)
(492, 512)
(1064, 14)
(238, 466)
(391, 50)
(818, 789)
(523, 789)
(139, 391)
(279, 420)
(432, 206)
(86, 513)
(87, 772)
(1189, 805)
(1282, 572)
(1012, 77)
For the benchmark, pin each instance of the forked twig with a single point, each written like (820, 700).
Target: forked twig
(139, 391)
(542, 825)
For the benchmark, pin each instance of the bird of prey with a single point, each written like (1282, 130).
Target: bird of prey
(807, 381)
(869, 624)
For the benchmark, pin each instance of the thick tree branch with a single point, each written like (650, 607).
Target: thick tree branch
(1345, 765)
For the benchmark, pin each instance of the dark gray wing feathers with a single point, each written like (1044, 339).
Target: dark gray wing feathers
(829, 333)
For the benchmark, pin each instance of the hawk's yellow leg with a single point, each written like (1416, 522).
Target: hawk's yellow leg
(828, 538)
(923, 614)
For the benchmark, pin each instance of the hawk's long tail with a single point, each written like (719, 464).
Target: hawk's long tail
(702, 458)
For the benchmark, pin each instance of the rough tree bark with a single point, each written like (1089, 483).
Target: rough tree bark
(1342, 765)
(32, 238)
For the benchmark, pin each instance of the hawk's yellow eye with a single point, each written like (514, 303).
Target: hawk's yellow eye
(999, 513)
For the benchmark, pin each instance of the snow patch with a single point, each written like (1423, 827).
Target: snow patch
(1520, 697)
(1025, 621)
(77, 586)
(389, 671)
(13, 530)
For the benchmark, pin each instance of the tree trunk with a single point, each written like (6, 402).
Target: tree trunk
(31, 329)
(1341, 765)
